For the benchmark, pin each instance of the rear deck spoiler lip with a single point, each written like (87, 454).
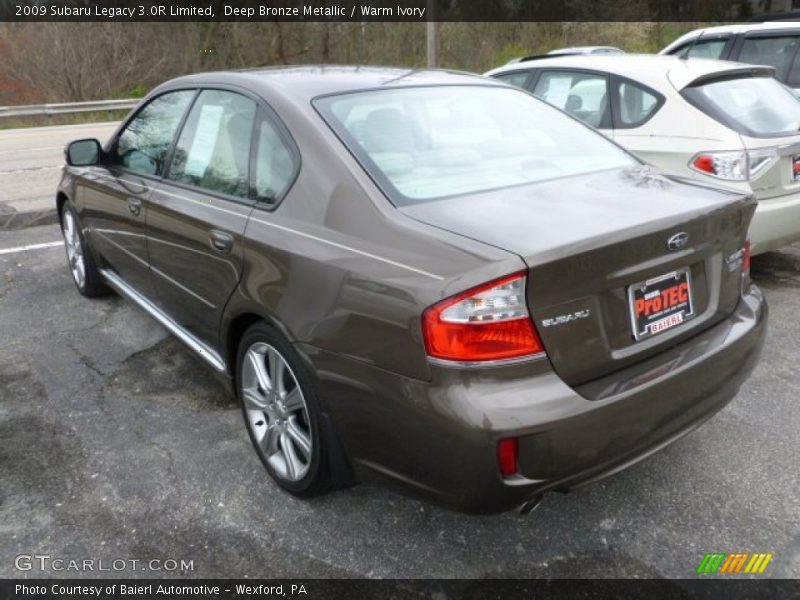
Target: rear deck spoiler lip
(732, 73)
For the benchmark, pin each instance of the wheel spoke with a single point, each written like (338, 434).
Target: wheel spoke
(293, 464)
(294, 400)
(269, 443)
(300, 438)
(68, 229)
(276, 369)
(80, 274)
(253, 400)
(257, 363)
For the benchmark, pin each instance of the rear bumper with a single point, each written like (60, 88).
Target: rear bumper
(440, 437)
(775, 224)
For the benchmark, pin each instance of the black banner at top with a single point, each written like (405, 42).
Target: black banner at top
(385, 10)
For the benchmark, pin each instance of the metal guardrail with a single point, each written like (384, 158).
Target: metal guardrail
(48, 110)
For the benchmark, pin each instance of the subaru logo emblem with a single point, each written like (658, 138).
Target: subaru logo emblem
(678, 241)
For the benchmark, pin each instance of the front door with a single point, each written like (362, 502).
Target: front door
(115, 200)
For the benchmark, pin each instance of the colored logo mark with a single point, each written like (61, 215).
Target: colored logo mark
(733, 564)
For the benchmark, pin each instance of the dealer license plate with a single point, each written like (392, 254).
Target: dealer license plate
(660, 303)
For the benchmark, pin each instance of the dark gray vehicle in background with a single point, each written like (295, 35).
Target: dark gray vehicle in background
(427, 278)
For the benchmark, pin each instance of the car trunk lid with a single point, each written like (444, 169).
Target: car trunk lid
(587, 240)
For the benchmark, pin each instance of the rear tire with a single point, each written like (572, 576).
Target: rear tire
(85, 275)
(281, 412)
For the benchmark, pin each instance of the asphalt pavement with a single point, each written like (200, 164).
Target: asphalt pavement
(30, 167)
(116, 444)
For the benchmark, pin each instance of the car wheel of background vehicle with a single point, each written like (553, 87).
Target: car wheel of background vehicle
(281, 412)
(82, 267)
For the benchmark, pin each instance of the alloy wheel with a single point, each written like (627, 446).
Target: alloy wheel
(276, 411)
(72, 241)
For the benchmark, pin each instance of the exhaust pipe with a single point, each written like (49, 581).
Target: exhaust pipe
(531, 505)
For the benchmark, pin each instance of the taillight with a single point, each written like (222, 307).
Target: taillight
(488, 322)
(734, 166)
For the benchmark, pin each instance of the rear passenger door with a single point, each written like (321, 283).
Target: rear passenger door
(197, 217)
(582, 94)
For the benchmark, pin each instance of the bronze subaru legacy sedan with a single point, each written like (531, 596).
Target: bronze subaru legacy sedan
(427, 278)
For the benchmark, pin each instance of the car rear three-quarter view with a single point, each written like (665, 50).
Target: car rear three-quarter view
(426, 278)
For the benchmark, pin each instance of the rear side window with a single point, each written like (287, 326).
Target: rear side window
(145, 141)
(518, 79)
(213, 151)
(702, 48)
(776, 52)
(636, 105)
(275, 163)
(755, 106)
(583, 95)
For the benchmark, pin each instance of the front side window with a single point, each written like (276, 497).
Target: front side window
(776, 52)
(213, 151)
(702, 48)
(636, 104)
(756, 106)
(423, 143)
(145, 141)
(583, 95)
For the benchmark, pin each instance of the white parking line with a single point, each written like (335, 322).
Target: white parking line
(31, 247)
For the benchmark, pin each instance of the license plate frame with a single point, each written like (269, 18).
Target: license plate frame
(648, 321)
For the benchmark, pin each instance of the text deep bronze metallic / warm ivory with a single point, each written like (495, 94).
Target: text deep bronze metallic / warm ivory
(427, 278)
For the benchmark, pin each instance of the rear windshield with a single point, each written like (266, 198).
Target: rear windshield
(754, 106)
(421, 143)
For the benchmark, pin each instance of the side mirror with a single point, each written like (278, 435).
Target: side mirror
(83, 153)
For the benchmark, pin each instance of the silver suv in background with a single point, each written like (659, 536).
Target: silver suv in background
(774, 43)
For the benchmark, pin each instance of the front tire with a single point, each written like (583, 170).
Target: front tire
(281, 412)
(85, 275)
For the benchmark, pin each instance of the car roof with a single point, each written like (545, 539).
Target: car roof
(767, 26)
(650, 69)
(303, 83)
(584, 50)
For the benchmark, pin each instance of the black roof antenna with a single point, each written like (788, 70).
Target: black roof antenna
(685, 55)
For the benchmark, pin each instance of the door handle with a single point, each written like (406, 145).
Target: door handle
(221, 241)
(135, 206)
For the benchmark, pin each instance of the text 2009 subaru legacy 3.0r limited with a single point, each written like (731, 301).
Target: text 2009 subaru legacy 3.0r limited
(423, 277)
